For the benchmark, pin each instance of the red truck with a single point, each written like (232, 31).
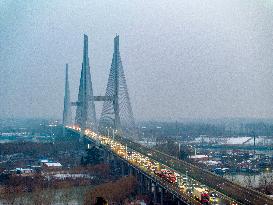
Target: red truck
(201, 195)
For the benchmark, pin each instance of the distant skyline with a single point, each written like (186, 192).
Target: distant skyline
(182, 59)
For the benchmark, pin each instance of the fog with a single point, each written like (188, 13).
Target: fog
(182, 59)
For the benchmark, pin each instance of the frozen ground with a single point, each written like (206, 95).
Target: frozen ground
(73, 176)
(260, 140)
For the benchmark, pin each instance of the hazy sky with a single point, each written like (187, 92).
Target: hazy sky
(182, 58)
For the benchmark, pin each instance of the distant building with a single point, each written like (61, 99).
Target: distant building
(22, 171)
(211, 162)
(36, 168)
(199, 157)
(42, 161)
(52, 166)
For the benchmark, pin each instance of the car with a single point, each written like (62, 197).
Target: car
(182, 187)
(185, 179)
(204, 187)
(189, 191)
(214, 197)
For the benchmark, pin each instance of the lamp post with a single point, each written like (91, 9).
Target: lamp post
(179, 149)
(126, 151)
(143, 133)
(114, 131)
(187, 178)
(254, 143)
(159, 132)
(107, 131)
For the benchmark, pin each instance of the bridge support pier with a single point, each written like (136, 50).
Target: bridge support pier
(106, 156)
(115, 164)
(110, 156)
(142, 184)
(161, 196)
(129, 170)
(154, 187)
(138, 177)
(147, 185)
(150, 185)
(122, 168)
(133, 171)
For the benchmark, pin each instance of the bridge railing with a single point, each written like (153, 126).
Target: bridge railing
(241, 194)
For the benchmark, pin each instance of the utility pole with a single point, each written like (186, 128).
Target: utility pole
(254, 144)
(176, 129)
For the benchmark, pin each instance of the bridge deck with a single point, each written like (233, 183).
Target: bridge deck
(234, 191)
(241, 194)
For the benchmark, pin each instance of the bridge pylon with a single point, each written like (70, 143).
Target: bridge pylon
(117, 113)
(85, 111)
(67, 114)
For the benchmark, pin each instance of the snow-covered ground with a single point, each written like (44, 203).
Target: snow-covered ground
(147, 143)
(237, 140)
(247, 140)
(73, 176)
(261, 140)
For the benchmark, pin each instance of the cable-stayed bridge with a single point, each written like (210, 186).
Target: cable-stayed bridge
(116, 113)
(131, 157)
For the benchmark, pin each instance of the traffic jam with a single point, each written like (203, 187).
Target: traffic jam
(186, 185)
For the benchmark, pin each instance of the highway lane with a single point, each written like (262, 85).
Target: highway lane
(193, 183)
(246, 196)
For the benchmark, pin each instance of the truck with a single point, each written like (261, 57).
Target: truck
(201, 195)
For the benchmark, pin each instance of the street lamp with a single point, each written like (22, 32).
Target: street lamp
(143, 133)
(108, 131)
(187, 178)
(126, 151)
(159, 128)
(114, 131)
(179, 149)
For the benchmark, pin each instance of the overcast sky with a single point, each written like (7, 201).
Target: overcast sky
(182, 58)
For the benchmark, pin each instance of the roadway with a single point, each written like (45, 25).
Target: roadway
(241, 194)
(148, 160)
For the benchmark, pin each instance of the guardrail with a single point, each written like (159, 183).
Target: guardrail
(241, 194)
(233, 191)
